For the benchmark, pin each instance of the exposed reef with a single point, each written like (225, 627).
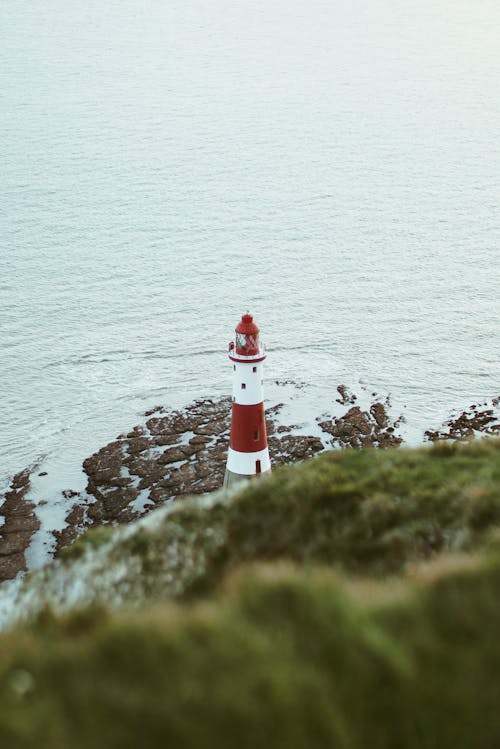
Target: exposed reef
(20, 522)
(477, 419)
(358, 428)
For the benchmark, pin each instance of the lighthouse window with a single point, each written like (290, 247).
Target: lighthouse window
(258, 467)
(234, 367)
(256, 435)
(241, 341)
(243, 386)
(254, 369)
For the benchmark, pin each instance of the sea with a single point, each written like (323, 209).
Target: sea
(166, 165)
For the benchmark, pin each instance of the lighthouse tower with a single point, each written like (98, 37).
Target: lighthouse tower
(248, 453)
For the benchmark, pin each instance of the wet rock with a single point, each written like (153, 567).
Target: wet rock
(291, 448)
(105, 465)
(357, 428)
(20, 522)
(76, 515)
(149, 472)
(15, 504)
(345, 395)
(173, 455)
(176, 422)
(475, 419)
(14, 543)
(69, 494)
(212, 428)
(114, 502)
(65, 537)
(160, 494)
(95, 513)
(379, 414)
(137, 445)
(155, 409)
(21, 480)
(200, 440)
(11, 566)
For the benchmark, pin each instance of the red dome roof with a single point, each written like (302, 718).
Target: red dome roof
(247, 325)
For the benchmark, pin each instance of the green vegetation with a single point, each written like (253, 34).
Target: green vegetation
(88, 541)
(248, 632)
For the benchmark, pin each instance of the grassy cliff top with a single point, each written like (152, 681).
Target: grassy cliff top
(231, 619)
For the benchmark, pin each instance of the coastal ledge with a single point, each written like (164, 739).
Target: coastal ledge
(175, 453)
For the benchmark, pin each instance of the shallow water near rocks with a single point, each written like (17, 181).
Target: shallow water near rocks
(332, 167)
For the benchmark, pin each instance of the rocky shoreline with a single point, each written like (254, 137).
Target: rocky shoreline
(179, 452)
(20, 523)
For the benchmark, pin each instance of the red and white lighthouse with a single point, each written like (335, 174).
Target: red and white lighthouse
(248, 453)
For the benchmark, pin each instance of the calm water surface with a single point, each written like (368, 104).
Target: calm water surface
(334, 167)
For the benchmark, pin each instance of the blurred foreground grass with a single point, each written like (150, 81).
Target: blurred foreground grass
(270, 643)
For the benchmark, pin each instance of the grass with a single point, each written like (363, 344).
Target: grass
(238, 624)
(282, 657)
(370, 512)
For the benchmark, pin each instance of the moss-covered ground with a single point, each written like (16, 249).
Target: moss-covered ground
(271, 640)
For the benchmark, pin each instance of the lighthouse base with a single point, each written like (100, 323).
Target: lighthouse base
(231, 478)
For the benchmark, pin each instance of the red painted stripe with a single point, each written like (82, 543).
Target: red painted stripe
(248, 360)
(248, 428)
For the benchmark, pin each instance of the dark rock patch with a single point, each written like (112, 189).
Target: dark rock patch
(358, 428)
(20, 522)
(477, 418)
(346, 396)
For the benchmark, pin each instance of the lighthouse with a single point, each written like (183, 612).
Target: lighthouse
(248, 453)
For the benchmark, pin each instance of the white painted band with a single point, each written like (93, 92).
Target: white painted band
(245, 463)
(247, 385)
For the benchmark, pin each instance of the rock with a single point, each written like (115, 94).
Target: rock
(65, 537)
(16, 523)
(15, 504)
(345, 395)
(378, 412)
(357, 428)
(164, 425)
(69, 494)
(212, 428)
(95, 513)
(291, 448)
(160, 494)
(137, 445)
(11, 566)
(20, 522)
(200, 439)
(12, 543)
(154, 410)
(172, 455)
(76, 515)
(115, 501)
(466, 425)
(105, 465)
(21, 480)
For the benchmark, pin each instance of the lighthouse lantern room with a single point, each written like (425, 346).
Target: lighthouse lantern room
(248, 453)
